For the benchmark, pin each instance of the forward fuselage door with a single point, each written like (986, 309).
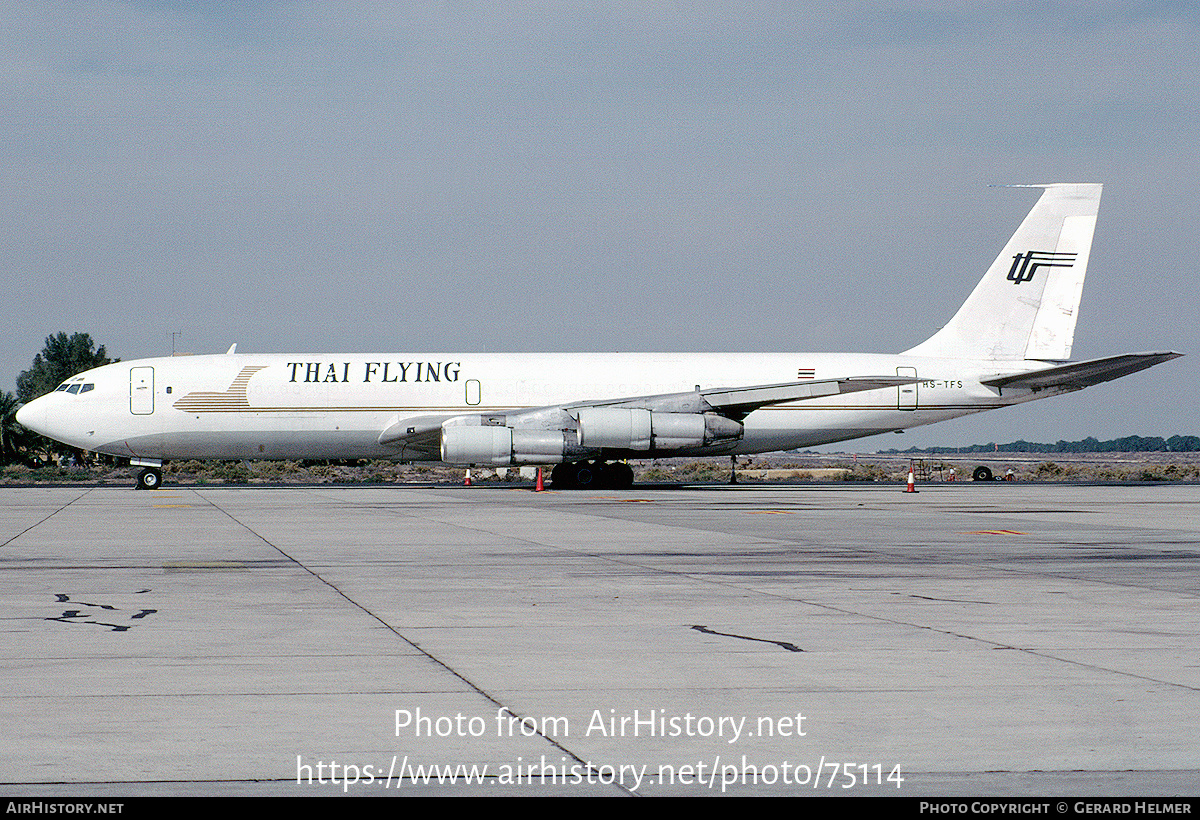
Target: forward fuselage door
(906, 394)
(141, 390)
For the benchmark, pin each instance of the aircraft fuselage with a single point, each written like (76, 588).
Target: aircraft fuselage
(335, 406)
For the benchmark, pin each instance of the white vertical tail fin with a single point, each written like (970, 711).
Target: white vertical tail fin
(1026, 305)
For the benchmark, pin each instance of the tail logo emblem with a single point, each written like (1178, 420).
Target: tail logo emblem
(1025, 265)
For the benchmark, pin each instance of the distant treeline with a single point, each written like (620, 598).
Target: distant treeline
(1127, 444)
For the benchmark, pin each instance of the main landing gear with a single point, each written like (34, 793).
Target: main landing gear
(591, 475)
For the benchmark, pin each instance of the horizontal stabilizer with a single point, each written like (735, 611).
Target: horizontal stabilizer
(1078, 375)
(735, 401)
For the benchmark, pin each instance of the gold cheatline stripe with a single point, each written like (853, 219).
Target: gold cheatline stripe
(234, 398)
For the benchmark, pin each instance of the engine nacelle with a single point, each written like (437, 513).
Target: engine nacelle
(637, 429)
(501, 446)
(615, 427)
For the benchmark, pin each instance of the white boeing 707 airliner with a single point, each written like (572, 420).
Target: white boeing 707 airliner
(1009, 343)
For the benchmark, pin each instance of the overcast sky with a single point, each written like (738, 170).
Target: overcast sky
(514, 176)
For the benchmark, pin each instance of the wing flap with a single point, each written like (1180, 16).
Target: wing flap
(1077, 375)
(743, 400)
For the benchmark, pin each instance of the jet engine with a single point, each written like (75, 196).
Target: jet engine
(503, 445)
(638, 429)
(600, 428)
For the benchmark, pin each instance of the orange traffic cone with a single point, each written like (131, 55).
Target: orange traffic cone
(539, 487)
(467, 481)
(912, 484)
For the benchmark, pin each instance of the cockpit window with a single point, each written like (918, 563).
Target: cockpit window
(74, 388)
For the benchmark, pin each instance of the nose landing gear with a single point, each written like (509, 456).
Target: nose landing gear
(149, 479)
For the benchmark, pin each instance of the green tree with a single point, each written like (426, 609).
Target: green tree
(13, 436)
(61, 358)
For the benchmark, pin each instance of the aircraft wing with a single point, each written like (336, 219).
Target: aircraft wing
(1077, 375)
(422, 435)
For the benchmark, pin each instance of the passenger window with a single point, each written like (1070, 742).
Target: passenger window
(73, 389)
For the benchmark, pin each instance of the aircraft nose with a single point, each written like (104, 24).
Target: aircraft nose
(60, 417)
(32, 415)
(47, 416)
(37, 416)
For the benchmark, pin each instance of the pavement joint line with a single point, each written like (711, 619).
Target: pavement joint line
(474, 686)
(47, 518)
